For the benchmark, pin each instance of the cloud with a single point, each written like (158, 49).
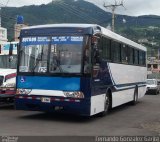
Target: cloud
(19, 3)
(132, 7)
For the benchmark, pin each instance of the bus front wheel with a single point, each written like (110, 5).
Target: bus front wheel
(107, 104)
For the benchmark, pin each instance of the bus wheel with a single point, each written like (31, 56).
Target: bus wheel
(135, 97)
(107, 104)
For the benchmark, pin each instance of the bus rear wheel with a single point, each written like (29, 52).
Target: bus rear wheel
(135, 97)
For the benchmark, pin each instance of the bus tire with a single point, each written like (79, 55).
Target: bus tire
(135, 97)
(107, 104)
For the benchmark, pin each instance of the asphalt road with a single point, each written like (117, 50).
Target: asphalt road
(142, 119)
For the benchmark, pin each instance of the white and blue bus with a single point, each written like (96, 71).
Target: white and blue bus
(82, 69)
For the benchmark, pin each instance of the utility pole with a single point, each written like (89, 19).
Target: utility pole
(113, 8)
(0, 16)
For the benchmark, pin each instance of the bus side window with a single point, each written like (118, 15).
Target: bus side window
(116, 51)
(136, 57)
(142, 58)
(130, 55)
(106, 48)
(124, 57)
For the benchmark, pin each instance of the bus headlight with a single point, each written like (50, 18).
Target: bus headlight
(23, 91)
(76, 94)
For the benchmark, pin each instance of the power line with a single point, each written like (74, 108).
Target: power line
(70, 9)
(1, 10)
(7, 2)
(75, 12)
(81, 12)
(113, 8)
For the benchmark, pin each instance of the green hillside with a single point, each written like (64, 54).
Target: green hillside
(143, 29)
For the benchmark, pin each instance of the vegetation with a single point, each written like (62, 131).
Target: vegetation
(142, 29)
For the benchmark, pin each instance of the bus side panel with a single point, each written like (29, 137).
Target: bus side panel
(100, 83)
(121, 97)
(85, 86)
(127, 75)
(120, 78)
(97, 104)
(125, 79)
(141, 91)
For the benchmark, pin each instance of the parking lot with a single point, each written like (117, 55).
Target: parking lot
(142, 119)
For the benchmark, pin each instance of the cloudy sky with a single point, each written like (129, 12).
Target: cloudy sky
(132, 7)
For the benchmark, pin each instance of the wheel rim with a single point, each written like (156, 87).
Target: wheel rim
(136, 97)
(106, 103)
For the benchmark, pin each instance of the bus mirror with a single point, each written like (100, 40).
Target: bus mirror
(0, 49)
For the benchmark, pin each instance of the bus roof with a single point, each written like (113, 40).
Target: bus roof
(61, 26)
(95, 29)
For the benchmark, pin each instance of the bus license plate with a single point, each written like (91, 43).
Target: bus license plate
(46, 100)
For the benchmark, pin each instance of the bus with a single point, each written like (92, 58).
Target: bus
(82, 69)
(8, 65)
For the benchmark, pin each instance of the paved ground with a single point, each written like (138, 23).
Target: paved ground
(140, 120)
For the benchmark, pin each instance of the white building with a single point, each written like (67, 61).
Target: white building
(17, 29)
(3, 35)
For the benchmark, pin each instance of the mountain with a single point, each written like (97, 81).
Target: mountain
(144, 29)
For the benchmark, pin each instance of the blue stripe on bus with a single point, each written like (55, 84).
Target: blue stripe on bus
(49, 83)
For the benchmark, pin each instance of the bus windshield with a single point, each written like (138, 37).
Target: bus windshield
(57, 54)
(8, 62)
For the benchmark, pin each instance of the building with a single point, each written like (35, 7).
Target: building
(153, 65)
(3, 35)
(18, 26)
(17, 29)
(153, 68)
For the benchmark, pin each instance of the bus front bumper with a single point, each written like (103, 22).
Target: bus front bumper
(53, 104)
